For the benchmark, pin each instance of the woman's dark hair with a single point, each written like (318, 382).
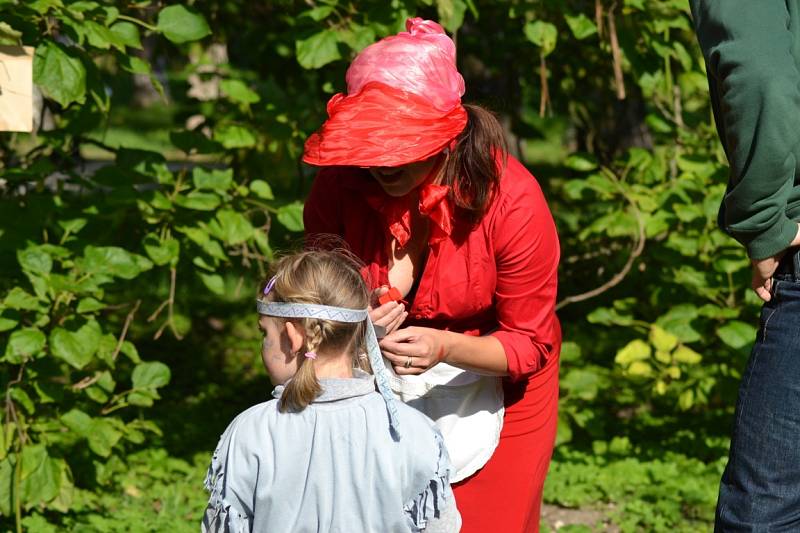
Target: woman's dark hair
(474, 167)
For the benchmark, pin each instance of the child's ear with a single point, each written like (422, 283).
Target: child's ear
(296, 335)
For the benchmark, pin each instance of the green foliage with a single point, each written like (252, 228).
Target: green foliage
(90, 252)
(670, 493)
(165, 172)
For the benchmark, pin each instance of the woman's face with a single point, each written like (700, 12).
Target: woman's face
(276, 350)
(399, 181)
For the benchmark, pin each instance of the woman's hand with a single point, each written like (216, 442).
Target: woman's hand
(387, 317)
(414, 350)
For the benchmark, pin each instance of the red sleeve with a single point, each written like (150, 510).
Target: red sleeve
(321, 211)
(526, 254)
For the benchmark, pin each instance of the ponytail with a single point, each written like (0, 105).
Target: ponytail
(304, 387)
(475, 165)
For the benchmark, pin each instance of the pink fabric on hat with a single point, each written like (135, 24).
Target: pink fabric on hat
(421, 60)
(403, 103)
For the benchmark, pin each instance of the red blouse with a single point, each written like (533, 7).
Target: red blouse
(498, 277)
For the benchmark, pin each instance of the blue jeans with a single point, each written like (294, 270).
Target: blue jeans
(760, 488)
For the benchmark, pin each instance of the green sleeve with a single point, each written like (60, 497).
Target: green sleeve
(755, 90)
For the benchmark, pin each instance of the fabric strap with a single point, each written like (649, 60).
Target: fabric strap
(342, 314)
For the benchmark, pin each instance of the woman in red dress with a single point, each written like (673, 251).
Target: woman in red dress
(423, 191)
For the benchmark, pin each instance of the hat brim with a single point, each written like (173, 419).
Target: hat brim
(382, 127)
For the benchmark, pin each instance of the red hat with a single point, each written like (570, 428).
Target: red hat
(403, 103)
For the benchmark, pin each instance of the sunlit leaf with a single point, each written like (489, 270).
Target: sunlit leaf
(318, 50)
(60, 73)
(542, 34)
(181, 24)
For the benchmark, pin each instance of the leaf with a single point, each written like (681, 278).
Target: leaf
(231, 227)
(684, 354)
(663, 357)
(24, 344)
(78, 422)
(101, 37)
(103, 436)
(34, 259)
(357, 37)
(580, 25)
(636, 350)
(127, 34)
(41, 476)
(661, 339)
(136, 65)
(237, 91)
(291, 216)
(129, 349)
(581, 162)
(73, 225)
(19, 299)
(82, 6)
(213, 282)
(9, 35)
(76, 347)
(640, 369)
(570, 352)
(737, 334)
(90, 305)
(8, 319)
(233, 136)
(43, 6)
(60, 73)
(262, 189)
(318, 50)
(214, 179)
(582, 383)
(199, 201)
(686, 400)
(181, 24)
(21, 397)
(150, 375)
(7, 482)
(161, 252)
(101, 433)
(678, 321)
(114, 261)
(318, 13)
(543, 35)
(451, 13)
(143, 398)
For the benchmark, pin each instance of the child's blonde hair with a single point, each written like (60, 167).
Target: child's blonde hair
(323, 278)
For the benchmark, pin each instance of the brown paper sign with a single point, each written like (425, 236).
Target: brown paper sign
(16, 88)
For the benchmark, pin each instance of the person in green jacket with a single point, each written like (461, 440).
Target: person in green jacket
(752, 54)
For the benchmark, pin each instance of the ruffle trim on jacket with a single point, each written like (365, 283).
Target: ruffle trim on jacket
(432, 500)
(220, 515)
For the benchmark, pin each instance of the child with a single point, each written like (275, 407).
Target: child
(330, 453)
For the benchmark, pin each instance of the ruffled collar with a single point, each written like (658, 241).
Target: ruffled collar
(335, 389)
(433, 203)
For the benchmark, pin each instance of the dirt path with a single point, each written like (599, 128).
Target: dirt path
(558, 517)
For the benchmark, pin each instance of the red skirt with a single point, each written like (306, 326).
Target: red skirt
(506, 494)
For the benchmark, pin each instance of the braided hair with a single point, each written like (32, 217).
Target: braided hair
(323, 278)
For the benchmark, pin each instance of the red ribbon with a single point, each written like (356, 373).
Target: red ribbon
(433, 204)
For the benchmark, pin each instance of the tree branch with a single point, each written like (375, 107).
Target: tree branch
(637, 250)
(616, 53)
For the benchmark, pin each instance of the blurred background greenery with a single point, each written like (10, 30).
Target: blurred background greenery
(164, 171)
